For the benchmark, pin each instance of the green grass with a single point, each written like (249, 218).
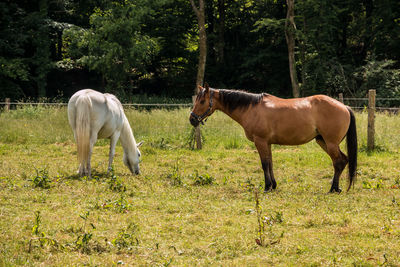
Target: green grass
(191, 207)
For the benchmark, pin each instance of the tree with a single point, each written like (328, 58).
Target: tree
(200, 14)
(114, 45)
(14, 68)
(290, 28)
(25, 48)
(221, 31)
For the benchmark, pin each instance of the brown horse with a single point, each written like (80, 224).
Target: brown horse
(267, 119)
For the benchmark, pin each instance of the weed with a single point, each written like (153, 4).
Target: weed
(120, 205)
(191, 138)
(82, 242)
(127, 238)
(370, 185)
(396, 184)
(7, 182)
(115, 183)
(394, 201)
(175, 176)
(35, 228)
(249, 185)
(40, 237)
(160, 144)
(27, 111)
(42, 179)
(377, 149)
(233, 143)
(260, 222)
(266, 238)
(204, 179)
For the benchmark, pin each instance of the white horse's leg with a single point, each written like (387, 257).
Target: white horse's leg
(93, 139)
(113, 142)
(81, 167)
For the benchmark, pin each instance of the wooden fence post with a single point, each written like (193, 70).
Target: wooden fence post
(341, 97)
(371, 120)
(7, 107)
(197, 133)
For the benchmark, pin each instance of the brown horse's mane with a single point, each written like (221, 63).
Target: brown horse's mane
(233, 99)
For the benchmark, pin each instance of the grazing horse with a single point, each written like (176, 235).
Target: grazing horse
(267, 119)
(93, 115)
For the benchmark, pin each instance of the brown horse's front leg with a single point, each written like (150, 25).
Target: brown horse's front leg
(267, 176)
(271, 173)
(264, 150)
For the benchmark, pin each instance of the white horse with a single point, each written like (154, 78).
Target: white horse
(93, 115)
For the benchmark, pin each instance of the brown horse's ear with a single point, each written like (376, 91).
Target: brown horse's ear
(206, 86)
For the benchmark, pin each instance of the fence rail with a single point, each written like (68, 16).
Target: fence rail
(125, 105)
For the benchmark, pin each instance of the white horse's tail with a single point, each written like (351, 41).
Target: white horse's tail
(82, 122)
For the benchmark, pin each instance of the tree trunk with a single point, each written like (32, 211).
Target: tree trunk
(290, 28)
(368, 34)
(302, 47)
(201, 21)
(221, 33)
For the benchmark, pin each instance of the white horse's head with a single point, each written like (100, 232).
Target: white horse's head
(131, 160)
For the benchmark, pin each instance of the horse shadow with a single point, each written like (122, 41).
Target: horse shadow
(96, 175)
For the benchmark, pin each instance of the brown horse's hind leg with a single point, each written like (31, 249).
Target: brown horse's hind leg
(264, 150)
(339, 160)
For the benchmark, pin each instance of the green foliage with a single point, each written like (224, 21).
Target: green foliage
(35, 228)
(202, 179)
(26, 111)
(266, 237)
(14, 68)
(381, 76)
(372, 185)
(39, 237)
(122, 205)
(42, 179)
(149, 46)
(84, 241)
(127, 238)
(191, 137)
(115, 183)
(114, 45)
(175, 175)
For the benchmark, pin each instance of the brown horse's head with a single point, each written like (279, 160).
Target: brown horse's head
(203, 106)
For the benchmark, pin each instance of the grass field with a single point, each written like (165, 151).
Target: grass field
(188, 207)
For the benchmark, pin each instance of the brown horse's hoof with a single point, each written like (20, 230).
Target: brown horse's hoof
(273, 185)
(335, 190)
(269, 189)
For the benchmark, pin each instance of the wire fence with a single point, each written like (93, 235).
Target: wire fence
(358, 104)
(381, 103)
(159, 105)
(370, 105)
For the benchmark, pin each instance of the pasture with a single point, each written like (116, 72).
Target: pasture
(192, 207)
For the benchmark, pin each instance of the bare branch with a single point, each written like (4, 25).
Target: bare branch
(195, 9)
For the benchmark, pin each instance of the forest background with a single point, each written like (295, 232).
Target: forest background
(52, 48)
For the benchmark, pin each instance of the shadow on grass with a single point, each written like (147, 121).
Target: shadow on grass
(377, 149)
(95, 176)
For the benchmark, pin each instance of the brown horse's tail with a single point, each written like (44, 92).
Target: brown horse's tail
(352, 148)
